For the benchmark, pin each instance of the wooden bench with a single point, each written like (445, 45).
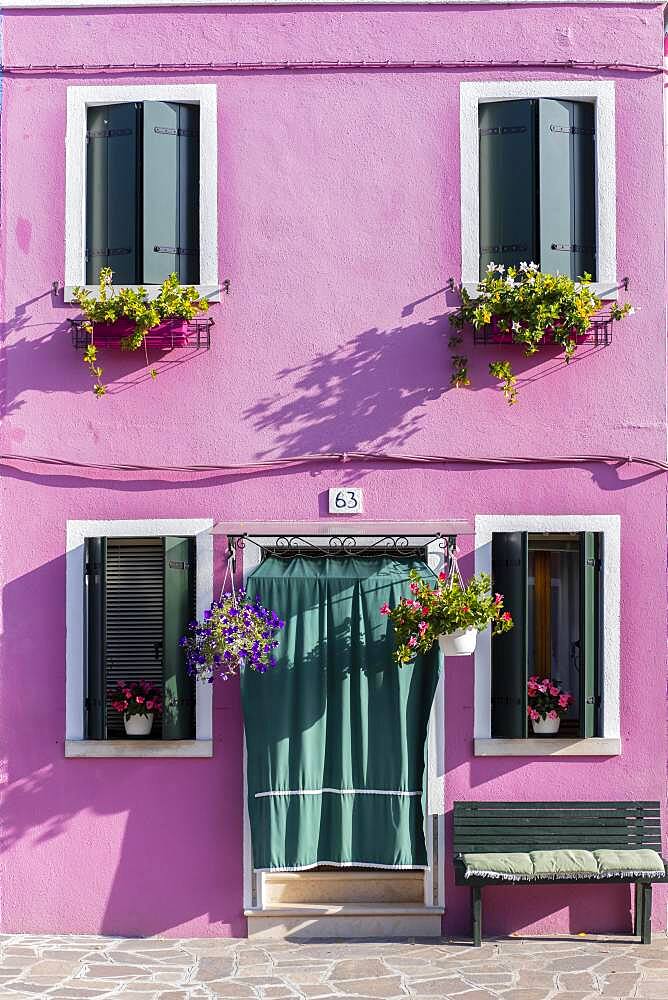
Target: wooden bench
(509, 827)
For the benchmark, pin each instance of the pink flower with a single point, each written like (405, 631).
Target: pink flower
(563, 701)
(385, 610)
(552, 714)
(465, 609)
(149, 705)
(127, 693)
(554, 690)
(425, 612)
(422, 628)
(533, 714)
(412, 641)
(442, 577)
(140, 699)
(506, 616)
(414, 588)
(543, 686)
(498, 599)
(532, 689)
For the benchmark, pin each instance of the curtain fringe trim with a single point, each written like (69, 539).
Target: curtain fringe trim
(335, 791)
(346, 864)
(556, 876)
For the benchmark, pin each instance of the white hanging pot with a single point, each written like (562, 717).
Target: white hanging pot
(459, 643)
(138, 725)
(546, 727)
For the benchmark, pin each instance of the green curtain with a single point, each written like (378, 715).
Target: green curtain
(336, 732)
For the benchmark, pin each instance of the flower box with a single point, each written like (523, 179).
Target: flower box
(599, 334)
(167, 335)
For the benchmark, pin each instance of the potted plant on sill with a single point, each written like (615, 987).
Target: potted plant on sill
(234, 632)
(139, 702)
(547, 704)
(521, 305)
(129, 319)
(450, 612)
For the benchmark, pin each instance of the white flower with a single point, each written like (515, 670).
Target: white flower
(500, 268)
(510, 282)
(516, 325)
(632, 311)
(491, 267)
(533, 267)
(524, 266)
(531, 281)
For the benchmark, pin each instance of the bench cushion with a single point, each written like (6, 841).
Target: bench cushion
(640, 861)
(512, 866)
(567, 863)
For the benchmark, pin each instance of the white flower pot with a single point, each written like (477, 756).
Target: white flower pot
(459, 643)
(138, 725)
(546, 727)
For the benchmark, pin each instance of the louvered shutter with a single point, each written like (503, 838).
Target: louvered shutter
(112, 192)
(510, 552)
(170, 192)
(134, 620)
(507, 183)
(179, 563)
(95, 550)
(567, 187)
(591, 575)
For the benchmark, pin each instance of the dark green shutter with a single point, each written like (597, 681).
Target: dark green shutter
(179, 689)
(507, 183)
(591, 575)
(95, 550)
(567, 187)
(510, 554)
(111, 192)
(170, 192)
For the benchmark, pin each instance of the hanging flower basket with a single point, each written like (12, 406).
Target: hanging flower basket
(449, 612)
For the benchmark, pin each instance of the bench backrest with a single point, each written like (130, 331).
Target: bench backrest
(484, 827)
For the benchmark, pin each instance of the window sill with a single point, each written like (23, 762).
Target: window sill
(548, 747)
(210, 292)
(139, 748)
(606, 290)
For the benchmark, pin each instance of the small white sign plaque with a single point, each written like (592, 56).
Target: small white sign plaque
(346, 500)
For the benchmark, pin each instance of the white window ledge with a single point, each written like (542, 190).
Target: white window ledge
(548, 747)
(604, 289)
(210, 292)
(139, 748)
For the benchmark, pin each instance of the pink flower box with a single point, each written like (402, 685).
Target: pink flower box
(505, 337)
(168, 334)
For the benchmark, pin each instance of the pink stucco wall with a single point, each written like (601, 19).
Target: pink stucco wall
(338, 226)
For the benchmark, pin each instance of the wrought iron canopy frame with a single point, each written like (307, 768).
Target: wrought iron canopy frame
(344, 545)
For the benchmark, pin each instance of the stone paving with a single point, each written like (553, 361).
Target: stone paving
(79, 968)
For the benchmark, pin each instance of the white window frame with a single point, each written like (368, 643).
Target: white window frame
(434, 874)
(79, 99)
(609, 743)
(75, 665)
(599, 93)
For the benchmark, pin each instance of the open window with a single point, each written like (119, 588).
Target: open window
(552, 583)
(139, 598)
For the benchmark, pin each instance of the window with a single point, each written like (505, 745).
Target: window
(537, 168)
(142, 192)
(552, 582)
(139, 598)
(141, 183)
(537, 185)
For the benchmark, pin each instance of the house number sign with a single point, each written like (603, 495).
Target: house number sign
(346, 500)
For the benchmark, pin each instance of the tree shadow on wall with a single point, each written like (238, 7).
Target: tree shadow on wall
(374, 389)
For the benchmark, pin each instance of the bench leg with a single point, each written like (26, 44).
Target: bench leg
(476, 907)
(646, 915)
(637, 908)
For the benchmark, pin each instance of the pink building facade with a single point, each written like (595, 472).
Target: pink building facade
(338, 199)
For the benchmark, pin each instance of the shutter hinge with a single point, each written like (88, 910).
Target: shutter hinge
(108, 133)
(595, 700)
(573, 247)
(596, 563)
(179, 251)
(108, 252)
(571, 130)
(175, 131)
(504, 130)
(178, 564)
(505, 248)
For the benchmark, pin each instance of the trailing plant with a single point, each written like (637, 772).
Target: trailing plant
(173, 301)
(432, 611)
(234, 632)
(529, 308)
(137, 698)
(546, 699)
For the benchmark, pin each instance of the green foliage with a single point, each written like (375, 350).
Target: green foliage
(438, 610)
(173, 301)
(532, 309)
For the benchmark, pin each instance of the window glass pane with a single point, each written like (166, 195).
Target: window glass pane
(554, 616)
